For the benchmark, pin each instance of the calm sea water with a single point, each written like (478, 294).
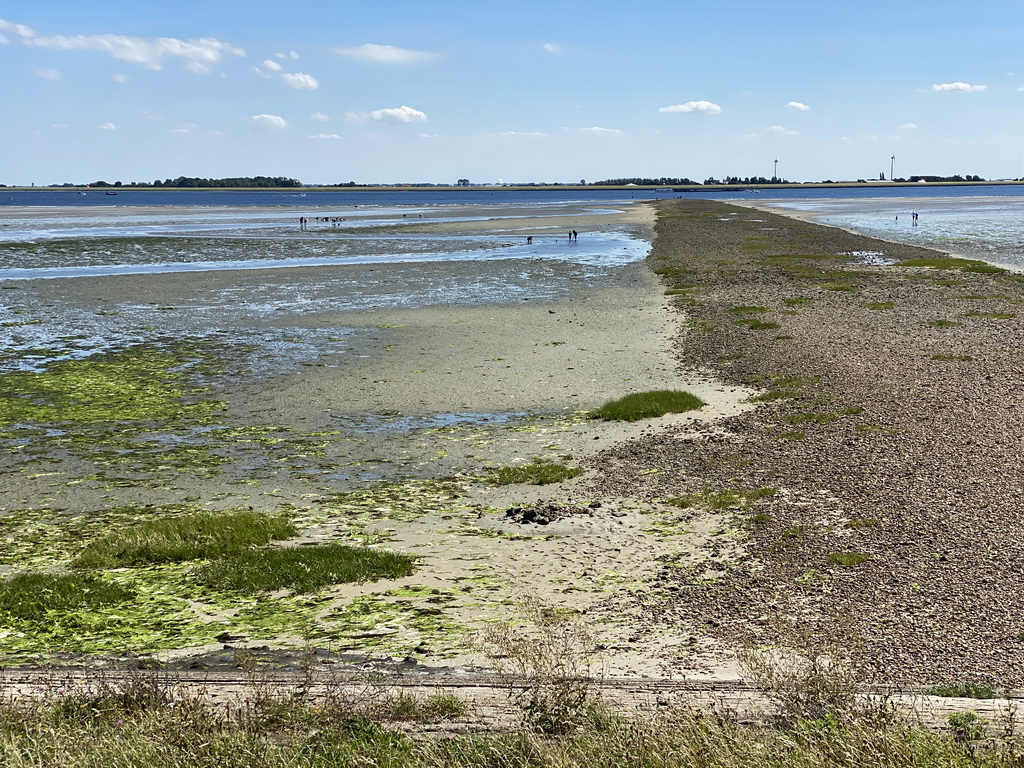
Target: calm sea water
(986, 228)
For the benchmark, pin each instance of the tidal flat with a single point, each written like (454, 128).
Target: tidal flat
(368, 404)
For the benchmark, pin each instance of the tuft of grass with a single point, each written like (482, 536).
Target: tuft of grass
(538, 472)
(880, 305)
(952, 262)
(963, 690)
(31, 596)
(303, 569)
(943, 323)
(848, 559)
(186, 537)
(756, 325)
(797, 301)
(647, 405)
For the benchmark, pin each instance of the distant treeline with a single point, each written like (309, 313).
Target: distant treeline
(195, 181)
(664, 181)
(958, 177)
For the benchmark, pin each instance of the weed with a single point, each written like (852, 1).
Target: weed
(33, 596)
(757, 325)
(952, 262)
(963, 690)
(303, 569)
(797, 301)
(186, 537)
(722, 499)
(647, 405)
(546, 664)
(848, 559)
(880, 305)
(943, 323)
(992, 315)
(538, 472)
(966, 726)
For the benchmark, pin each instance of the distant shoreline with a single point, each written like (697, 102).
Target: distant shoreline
(534, 187)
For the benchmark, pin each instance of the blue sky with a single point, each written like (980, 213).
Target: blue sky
(329, 91)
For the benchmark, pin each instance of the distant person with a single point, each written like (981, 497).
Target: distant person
(575, 235)
(529, 240)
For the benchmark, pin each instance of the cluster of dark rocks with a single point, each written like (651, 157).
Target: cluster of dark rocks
(545, 512)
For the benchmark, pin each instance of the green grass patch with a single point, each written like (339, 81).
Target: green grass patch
(848, 559)
(32, 596)
(943, 323)
(880, 305)
(538, 472)
(963, 690)
(303, 569)
(721, 499)
(182, 538)
(953, 358)
(647, 405)
(798, 301)
(952, 262)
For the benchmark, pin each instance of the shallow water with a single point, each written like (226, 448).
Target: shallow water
(990, 229)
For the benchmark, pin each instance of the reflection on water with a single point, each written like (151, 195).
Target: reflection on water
(990, 229)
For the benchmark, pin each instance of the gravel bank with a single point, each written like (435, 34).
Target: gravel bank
(891, 436)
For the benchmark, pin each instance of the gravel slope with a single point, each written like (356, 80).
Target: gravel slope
(893, 439)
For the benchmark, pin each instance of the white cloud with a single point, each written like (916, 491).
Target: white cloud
(269, 122)
(117, 77)
(908, 127)
(300, 81)
(331, 136)
(958, 86)
(553, 48)
(290, 55)
(595, 131)
(49, 74)
(198, 55)
(272, 65)
(186, 128)
(60, 125)
(393, 115)
(1021, 88)
(778, 130)
(154, 116)
(798, 106)
(707, 107)
(320, 117)
(386, 54)
(107, 127)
